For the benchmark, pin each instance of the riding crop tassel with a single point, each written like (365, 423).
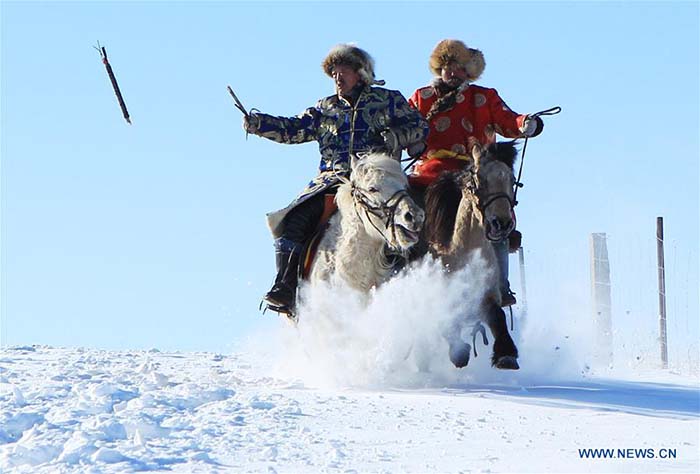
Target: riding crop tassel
(113, 80)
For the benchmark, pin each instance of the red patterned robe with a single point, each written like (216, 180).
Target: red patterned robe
(477, 116)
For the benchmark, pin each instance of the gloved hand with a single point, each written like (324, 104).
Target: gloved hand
(532, 126)
(251, 123)
(515, 241)
(391, 141)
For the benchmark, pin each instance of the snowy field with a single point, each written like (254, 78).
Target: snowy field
(355, 387)
(80, 410)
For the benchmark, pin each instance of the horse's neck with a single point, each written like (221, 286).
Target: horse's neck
(469, 232)
(360, 256)
(469, 241)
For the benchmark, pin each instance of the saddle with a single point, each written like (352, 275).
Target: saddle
(309, 252)
(307, 255)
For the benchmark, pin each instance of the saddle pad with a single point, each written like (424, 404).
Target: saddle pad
(309, 252)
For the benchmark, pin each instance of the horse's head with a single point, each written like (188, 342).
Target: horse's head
(379, 190)
(494, 188)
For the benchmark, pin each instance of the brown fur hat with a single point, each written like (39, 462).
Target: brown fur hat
(353, 56)
(454, 50)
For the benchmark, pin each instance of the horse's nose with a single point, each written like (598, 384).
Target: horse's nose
(497, 224)
(415, 217)
(501, 225)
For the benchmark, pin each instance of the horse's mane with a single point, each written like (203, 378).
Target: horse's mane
(441, 204)
(383, 162)
(505, 152)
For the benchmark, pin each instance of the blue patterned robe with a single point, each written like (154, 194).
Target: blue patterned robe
(341, 131)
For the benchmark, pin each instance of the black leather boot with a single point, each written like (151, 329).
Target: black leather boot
(501, 251)
(283, 293)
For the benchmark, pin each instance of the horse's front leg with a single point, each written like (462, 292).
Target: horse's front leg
(505, 354)
(459, 349)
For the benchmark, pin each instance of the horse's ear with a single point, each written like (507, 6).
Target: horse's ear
(356, 164)
(478, 153)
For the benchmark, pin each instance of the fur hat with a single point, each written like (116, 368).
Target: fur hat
(353, 56)
(454, 50)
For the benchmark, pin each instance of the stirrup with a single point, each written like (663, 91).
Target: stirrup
(479, 328)
(285, 310)
(508, 299)
(512, 325)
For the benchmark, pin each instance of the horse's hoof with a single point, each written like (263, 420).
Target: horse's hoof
(459, 354)
(507, 363)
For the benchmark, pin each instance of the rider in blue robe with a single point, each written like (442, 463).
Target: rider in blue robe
(360, 118)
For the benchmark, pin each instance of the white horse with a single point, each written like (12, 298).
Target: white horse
(376, 218)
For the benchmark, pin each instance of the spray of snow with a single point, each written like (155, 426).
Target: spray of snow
(393, 337)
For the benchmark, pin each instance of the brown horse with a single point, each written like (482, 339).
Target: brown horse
(466, 211)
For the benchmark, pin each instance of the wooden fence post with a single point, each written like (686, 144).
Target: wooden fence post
(663, 341)
(600, 288)
(523, 288)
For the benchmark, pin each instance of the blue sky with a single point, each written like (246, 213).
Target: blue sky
(153, 235)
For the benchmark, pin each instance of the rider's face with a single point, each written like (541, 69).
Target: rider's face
(345, 78)
(453, 74)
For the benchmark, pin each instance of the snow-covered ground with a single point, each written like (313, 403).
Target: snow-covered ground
(80, 410)
(353, 388)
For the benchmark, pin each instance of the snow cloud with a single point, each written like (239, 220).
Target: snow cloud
(393, 337)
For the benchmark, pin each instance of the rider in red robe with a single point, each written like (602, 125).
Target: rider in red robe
(462, 114)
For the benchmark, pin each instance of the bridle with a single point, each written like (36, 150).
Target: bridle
(483, 201)
(385, 211)
(489, 199)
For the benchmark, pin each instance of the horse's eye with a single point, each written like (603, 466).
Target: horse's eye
(372, 190)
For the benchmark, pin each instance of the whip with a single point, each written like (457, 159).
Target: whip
(113, 80)
(518, 184)
(238, 103)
